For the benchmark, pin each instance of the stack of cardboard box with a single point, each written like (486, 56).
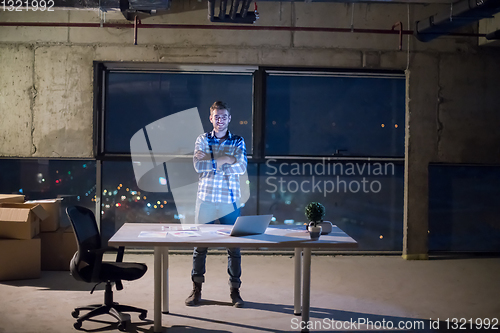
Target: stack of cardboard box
(31, 238)
(58, 243)
(19, 244)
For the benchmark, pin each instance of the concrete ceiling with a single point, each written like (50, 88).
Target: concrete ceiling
(465, 12)
(114, 4)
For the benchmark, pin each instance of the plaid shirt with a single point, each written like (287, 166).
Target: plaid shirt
(214, 180)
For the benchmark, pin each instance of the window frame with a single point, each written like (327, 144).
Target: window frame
(259, 74)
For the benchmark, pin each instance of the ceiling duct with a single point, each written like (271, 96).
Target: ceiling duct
(235, 16)
(461, 14)
(132, 8)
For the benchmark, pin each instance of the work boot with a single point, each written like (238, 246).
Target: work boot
(236, 298)
(195, 296)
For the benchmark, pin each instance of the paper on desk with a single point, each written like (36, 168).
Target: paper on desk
(180, 227)
(153, 234)
(226, 232)
(185, 234)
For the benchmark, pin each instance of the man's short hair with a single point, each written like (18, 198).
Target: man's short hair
(219, 105)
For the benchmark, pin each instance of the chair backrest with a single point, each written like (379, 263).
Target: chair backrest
(87, 237)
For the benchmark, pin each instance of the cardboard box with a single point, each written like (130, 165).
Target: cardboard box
(58, 248)
(11, 198)
(20, 222)
(19, 259)
(52, 207)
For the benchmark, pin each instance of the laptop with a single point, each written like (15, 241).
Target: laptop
(248, 225)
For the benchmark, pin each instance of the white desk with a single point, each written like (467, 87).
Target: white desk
(136, 234)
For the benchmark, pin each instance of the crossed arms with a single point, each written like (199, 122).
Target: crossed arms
(232, 161)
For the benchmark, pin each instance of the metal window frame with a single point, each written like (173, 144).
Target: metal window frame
(259, 73)
(328, 72)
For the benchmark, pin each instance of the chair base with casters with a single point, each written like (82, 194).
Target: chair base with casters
(88, 266)
(109, 307)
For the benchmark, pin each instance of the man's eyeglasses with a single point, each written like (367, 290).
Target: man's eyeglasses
(217, 118)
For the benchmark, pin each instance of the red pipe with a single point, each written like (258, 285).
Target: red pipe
(137, 21)
(218, 27)
(400, 25)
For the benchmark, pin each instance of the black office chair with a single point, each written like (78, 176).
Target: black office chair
(87, 265)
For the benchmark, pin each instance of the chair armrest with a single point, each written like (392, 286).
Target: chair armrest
(98, 259)
(120, 251)
(105, 249)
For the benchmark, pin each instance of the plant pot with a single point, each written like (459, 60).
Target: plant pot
(314, 232)
(326, 227)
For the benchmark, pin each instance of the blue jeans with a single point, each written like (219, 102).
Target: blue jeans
(233, 254)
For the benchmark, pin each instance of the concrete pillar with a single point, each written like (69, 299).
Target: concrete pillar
(420, 148)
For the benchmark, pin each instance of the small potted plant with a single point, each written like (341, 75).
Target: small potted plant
(315, 212)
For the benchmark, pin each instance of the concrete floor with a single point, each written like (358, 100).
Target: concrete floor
(344, 288)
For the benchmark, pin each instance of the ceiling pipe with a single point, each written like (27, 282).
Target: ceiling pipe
(461, 14)
(244, 7)
(217, 27)
(222, 10)
(211, 10)
(234, 16)
(400, 25)
(137, 21)
(234, 8)
(131, 8)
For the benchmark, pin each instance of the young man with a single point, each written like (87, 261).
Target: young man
(219, 158)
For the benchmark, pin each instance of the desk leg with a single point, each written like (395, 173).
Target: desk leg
(306, 288)
(297, 280)
(157, 289)
(165, 279)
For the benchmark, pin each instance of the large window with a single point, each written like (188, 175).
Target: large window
(336, 138)
(365, 199)
(123, 201)
(463, 208)
(334, 114)
(72, 180)
(134, 100)
(332, 137)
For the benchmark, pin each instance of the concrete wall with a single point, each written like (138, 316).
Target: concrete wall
(46, 88)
